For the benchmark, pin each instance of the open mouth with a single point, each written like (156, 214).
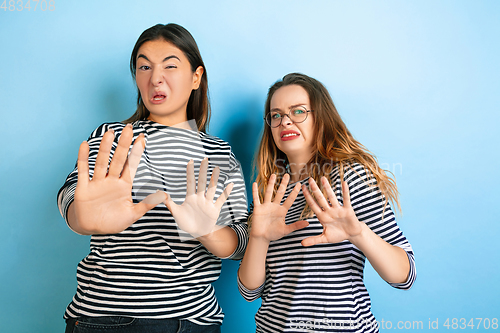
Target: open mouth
(289, 135)
(158, 97)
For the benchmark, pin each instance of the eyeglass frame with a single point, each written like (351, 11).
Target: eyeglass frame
(288, 115)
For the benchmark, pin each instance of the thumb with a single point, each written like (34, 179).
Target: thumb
(313, 240)
(171, 205)
(289, 228)
(148, 203)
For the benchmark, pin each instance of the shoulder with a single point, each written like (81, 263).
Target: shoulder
(103, 128)
(215, 143)
(355, 171)
(220, 150)
(359, 179)
(212, 139)
(351, 171)
(117, 127)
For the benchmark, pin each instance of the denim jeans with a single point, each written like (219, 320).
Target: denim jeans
(135, 325)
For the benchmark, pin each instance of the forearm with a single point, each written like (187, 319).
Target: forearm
(252, 271)
(390, 262)
(221, 242)
(72, 220)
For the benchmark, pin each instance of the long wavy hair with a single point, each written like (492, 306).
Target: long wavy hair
(198, 107)
(334, 144)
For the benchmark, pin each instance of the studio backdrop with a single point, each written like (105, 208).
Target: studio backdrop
(417, 82)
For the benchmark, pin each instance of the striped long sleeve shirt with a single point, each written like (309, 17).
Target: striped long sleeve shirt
(152, 269)
(320, 288)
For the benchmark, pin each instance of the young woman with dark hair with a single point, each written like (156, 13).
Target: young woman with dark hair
(157, 234)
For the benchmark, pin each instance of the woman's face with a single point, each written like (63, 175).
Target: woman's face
(165, 81)
(296, 140)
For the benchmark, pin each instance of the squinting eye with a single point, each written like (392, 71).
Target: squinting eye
(275, 116)
(170, 67)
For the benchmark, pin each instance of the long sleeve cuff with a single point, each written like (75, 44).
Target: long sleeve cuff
(241, 231)
(64, 198)
(412, 276)
(250, 295)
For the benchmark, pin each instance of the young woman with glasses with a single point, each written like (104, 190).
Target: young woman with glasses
(153, 256)
(307, 249)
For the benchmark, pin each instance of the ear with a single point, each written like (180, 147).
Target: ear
(197, 75)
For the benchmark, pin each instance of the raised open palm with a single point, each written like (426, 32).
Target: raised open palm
(104, 204)
(339, 222)
(198, 213)
(268, 217)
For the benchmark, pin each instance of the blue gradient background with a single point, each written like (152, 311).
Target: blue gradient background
(417, 82)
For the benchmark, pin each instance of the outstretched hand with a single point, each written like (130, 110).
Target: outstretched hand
(339, 222)
(268, 218)
(198, 213)
(104, 204)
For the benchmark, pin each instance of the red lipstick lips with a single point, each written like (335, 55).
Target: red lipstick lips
(289, 135)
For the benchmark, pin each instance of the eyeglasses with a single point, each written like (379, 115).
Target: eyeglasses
(296, 115)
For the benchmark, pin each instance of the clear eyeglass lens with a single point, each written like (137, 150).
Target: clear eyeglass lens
(297, 115)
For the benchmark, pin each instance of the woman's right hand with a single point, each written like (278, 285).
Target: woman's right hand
(268, 217)
(104, 204)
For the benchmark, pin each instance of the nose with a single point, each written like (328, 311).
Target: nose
(286, 121)
(157, 77)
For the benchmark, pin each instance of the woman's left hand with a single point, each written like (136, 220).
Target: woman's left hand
(198, 213)
(339, 222)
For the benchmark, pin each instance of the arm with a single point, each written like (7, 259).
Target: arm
(252, 271)
(340, 223)
(390, 262)
(268, 224)
(222, 242)
(233, 215)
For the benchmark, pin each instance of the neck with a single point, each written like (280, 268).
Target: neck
(298, 167)
(178, 123)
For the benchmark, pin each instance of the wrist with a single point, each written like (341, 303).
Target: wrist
(210, 236)
(359, 237)
(258, 239)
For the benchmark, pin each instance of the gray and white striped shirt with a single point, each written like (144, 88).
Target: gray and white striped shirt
(152, 269)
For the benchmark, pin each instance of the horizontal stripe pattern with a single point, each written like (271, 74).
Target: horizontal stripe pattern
(320, 288)
(153, 269)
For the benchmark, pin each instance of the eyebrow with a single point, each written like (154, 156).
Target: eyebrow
(290, 107)
(166, 58)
